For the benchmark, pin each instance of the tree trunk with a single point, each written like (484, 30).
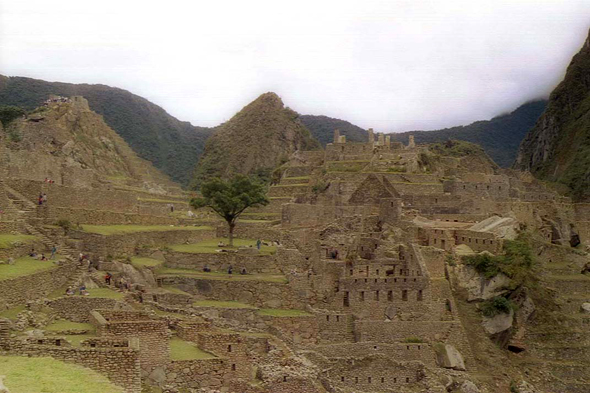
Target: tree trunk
(231, 233)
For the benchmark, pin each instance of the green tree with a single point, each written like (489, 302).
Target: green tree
(229, 198)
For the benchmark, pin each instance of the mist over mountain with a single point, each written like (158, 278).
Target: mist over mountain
(558, 147)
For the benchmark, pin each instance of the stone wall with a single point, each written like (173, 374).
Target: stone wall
(266, 294)
(78, 308)
(19, 290)
(300, 330)
(195, 374)
(221, 261)
(420, 352)
(312, 215)
(153, 335)
(373, 373)
(127, 244)
(50, 214)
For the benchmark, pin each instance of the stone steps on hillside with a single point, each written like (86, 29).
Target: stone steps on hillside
(580, 353)
(568, 285)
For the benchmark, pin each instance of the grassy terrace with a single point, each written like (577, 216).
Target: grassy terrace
(105, 293)
(9, 241)
(124, 229)
(23, 267)
(222, 275)
(68, 325)
(12, 312)
(280, 312)
(140, 262)
(184, 350)
(46, 375)
(210, 246)
(221, 304)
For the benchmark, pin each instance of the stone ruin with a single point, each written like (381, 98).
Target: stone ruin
(361, 295)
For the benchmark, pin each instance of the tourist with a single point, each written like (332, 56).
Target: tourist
(207, 269)
(70, 291)
(258, 244)
(40, 199)
(221, 244)
(107, 278)
(33, 254)
(53, 251)
(230, 269)
(43, 257)
(243, 271)
(83, 291)
(44, 197)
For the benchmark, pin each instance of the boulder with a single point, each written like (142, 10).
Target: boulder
(447, 356)
(585, 308)
(468, 387)
(477, 286)
(498, 323)
(3, 388)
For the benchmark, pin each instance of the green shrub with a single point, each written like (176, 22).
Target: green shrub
(8, 113)
(516, 262)
(65, 224)
(496, 306)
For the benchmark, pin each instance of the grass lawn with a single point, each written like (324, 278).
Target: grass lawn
(279, 312)
(222, 275)
(46, 375)
(105, 293)
(68, 325)
(123, 229)
(24, 266)
(221, 304)
(11, 313)
(184, 350)
(210, 246)
(145, 262)
(8, 241)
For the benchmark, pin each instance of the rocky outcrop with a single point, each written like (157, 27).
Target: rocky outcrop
(447, 356)
(256, 140)
(498, 323)
(557, 147)
(478, 287)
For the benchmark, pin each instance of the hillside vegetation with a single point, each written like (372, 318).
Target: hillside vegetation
(171, 145)
(558, 147)
(255, 141)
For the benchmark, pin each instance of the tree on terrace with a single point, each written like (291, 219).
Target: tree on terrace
(229, 198)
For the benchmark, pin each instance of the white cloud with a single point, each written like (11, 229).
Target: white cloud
(390, 65)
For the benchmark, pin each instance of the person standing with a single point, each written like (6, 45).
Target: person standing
(53, 251)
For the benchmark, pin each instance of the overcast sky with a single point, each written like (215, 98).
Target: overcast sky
(393, 65)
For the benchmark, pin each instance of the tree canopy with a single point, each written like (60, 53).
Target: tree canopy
(230, 198)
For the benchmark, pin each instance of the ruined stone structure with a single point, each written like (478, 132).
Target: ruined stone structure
(365, 289)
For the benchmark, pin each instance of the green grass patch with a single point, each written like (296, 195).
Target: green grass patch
(221, 304)
(46, 375)
(23, 267)
(140, 262)
(280, 312)
(68, 325)
(105, 293)
(172, 289)
(10, 241)
(12, 313)
(222, 275)
(108, 230)
(185, 350)
(210, 246)
(496, 306)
